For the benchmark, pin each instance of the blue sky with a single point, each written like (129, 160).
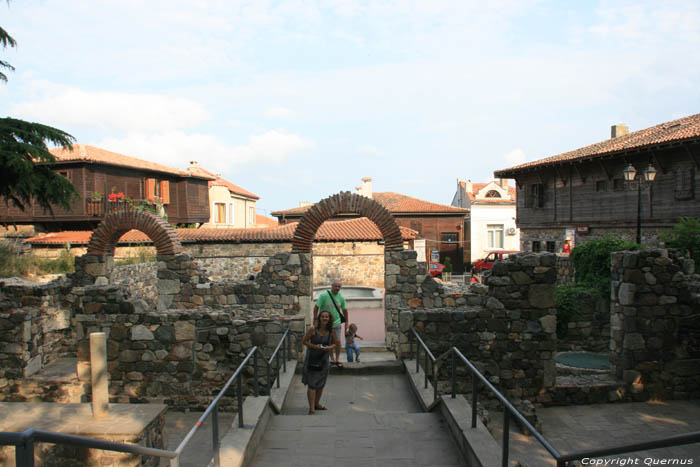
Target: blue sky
(297, 100)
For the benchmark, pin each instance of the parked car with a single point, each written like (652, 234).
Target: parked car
(436, 269)
(491, 257)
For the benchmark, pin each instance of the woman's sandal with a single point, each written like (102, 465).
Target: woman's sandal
(321, 407)
(311, 412)
(338, 364)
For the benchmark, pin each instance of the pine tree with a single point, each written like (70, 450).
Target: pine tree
(26, 174)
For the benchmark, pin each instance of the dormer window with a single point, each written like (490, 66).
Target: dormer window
(493, 194)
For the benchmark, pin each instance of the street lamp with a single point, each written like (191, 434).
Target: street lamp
(648, 177)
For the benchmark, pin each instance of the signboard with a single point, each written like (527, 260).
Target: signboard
(419, 246)
(434, 256)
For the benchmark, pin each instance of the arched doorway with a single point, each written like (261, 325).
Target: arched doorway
(351, 203)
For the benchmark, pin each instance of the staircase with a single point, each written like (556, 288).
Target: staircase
(373, 419)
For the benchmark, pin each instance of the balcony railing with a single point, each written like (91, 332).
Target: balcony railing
(102, 207)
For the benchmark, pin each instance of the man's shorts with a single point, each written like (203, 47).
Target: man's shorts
(339, 333)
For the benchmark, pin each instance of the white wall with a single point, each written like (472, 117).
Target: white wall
(236, 209)
(483, 215)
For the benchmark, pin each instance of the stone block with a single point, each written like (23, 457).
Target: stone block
(626, 293)
(633, 341)
(541, 295)
(168, 286)
(141, 333)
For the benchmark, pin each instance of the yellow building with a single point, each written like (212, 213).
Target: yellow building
(230, 205)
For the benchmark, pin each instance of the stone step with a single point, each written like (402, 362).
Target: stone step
(584, 389)
(381, 367)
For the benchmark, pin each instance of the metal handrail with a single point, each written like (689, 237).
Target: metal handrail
(24, 441)
(511, 411)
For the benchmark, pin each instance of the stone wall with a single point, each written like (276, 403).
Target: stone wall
(565, 269)
(507, 328)
(650, 235)
(233, 261)
(177, 357)
(354, 263)
(35, 329)
(655, 323)
(140, 278)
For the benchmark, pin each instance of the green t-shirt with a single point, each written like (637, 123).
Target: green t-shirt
(324, 303)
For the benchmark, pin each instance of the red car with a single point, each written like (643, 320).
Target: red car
(492, 257)
(436, 269)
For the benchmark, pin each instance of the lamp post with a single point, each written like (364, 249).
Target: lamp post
(647, 177)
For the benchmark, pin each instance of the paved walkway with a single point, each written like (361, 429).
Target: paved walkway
(371, 421)
(579, 427)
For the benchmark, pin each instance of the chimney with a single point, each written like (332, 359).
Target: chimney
(366, 188)
(468, 186)
(303, 204)
(504, 183)
(193, 166)
(619, 130)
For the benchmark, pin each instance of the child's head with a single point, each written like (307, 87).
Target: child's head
(353, 327)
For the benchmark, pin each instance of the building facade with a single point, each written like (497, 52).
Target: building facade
(584, 194)
(491, 217)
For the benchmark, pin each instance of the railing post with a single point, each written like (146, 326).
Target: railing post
(267, 372)
(215, 433)
(240, 401)
(255, 374)
(24, 453)
(425, 370)
(277, 357)
(417, 355)
(506, 436)
(474, 392)
(289, 345)
(561, 463)
(454, 373)
(175, 461)
(284, 354)
(435, 379)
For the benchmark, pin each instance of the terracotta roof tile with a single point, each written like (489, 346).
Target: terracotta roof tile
(395, 203)
(348, 230)
(84, 152)
(218, 181)
(266, 221)
(685, 128)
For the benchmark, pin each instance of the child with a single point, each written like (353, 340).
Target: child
(350, 344)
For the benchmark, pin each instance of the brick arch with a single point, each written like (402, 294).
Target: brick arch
(346, 202)
(104, 239)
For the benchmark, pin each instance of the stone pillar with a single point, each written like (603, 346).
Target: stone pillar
(100, 376)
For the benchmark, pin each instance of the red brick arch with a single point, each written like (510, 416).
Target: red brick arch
(104, 239)
(341, 203)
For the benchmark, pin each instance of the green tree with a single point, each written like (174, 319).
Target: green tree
(685, 235)
(25, 159)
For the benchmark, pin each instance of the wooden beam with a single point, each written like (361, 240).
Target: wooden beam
(580, 175)
(692, 156)
(664, 170)
(563, 180)
(605, 171)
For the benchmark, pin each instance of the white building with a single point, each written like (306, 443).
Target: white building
(492, 216)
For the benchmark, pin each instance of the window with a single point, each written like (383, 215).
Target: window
(220, 213)
(536, 247)
(551, 246)
(65, 174)
(493, 194)
(601, 185)
(536, 195)
(494, 235)
(450, 237)
(251, 215)
(618, 184)
(684, 187)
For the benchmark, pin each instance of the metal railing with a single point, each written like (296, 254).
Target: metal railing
(24, 441)
(511, 412)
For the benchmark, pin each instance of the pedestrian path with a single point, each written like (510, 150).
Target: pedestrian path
(372, 421)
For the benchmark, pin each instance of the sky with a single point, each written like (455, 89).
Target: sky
(298, 100)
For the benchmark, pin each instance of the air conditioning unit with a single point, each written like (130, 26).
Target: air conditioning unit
(511, 231)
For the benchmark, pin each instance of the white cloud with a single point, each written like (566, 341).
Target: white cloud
(515, 157)
(369, 149)
(177, 148)
(67, 107)
(280, 112)
(273, 146)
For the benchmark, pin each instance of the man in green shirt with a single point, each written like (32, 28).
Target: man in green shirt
(324, 302)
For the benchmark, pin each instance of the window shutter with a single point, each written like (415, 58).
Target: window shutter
(165, 191)
(150, 189)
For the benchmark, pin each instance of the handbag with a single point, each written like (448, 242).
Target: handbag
(340, 313)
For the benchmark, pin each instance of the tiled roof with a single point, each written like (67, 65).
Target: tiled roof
(686, 128)
(476, 187)
(395, 203)
(348, 230)
(218, 181)
(84, 152)
(266, 221)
